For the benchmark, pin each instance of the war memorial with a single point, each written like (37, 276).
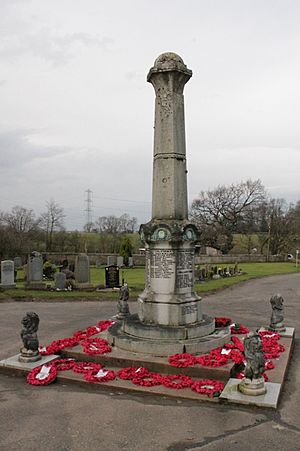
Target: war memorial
(170, 343)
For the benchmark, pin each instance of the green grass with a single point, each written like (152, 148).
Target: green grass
(252, 271)
(136, 280)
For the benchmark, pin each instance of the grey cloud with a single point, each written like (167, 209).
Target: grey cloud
(16, 150)
(54, 48)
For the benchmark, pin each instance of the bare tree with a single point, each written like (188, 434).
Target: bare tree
(282, 232)
(226, 210)
(112, 228)
(18, 229)
(51, 221)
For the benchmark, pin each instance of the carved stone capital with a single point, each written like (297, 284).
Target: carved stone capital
(172, 231)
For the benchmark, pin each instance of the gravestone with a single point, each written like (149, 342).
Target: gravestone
(60, 280)
(98, 263)
(7, 274)
(82, 269)
(82, 272)
(120, 261)
(111, 260)
(112, 276)
(18, 262)
(130, 262)
(34, 272)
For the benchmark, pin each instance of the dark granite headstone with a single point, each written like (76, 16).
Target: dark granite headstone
(112, 276)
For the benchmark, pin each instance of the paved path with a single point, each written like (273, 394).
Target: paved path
(70, 418)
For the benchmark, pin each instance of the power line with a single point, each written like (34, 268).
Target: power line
(89, 210)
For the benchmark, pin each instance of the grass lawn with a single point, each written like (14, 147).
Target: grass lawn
(136, 279)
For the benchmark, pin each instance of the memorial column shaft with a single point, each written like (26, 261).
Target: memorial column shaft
(169, 189)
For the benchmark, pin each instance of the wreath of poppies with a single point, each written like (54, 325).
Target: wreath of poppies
(222, 321)
(132, 372)
(105, 324)
(177, 381)
(182, 360)
(102, 375)
(81, 335)
(213, 359)
(42, 375)
(86, 367)
(63, 364)
(96, 345)
(239, 329)
(208, 387)
(148, 380)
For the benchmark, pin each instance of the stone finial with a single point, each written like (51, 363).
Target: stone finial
(277, 317)
(30, 350)
(170, 62)
(253, 382)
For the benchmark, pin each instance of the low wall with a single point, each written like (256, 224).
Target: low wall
(94, 258)
(240, 258)
(139, 260)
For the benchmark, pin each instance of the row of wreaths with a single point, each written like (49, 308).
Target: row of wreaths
(94, 372)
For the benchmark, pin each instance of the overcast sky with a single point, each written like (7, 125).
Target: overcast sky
(77, 113)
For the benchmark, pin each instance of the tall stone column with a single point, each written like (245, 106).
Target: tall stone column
(169, 297)
(169, 196)
(170, 318)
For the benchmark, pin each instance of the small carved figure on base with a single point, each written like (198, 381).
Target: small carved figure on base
(277, 316)
(30, 350)
(123, 308)
(253, 383)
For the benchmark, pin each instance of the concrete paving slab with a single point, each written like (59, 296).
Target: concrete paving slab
(270, 399)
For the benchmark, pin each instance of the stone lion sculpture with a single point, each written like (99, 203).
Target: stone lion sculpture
(277, 316)
(123, 308)
(253, 383)
(255, 361)
(30, 349)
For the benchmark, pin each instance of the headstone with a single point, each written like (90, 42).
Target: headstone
(18, 262)
(120, 261)
(82, 273)
(82, 269)
(34, 272)
(60, 281)
(111, 260)
(98, 263)
(7, 274)
(112, 276)
(130, 262)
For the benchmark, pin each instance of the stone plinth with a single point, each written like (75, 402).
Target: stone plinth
(169, 297)
(133, 336)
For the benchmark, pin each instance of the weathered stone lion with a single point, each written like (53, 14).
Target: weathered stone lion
(30, 324)
(277, 316)
(255, 361)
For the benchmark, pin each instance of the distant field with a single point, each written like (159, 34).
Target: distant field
(135, 278)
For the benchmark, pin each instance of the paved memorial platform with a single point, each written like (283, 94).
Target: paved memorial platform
(118, 359)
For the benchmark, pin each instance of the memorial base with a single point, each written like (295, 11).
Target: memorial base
(134, 336)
